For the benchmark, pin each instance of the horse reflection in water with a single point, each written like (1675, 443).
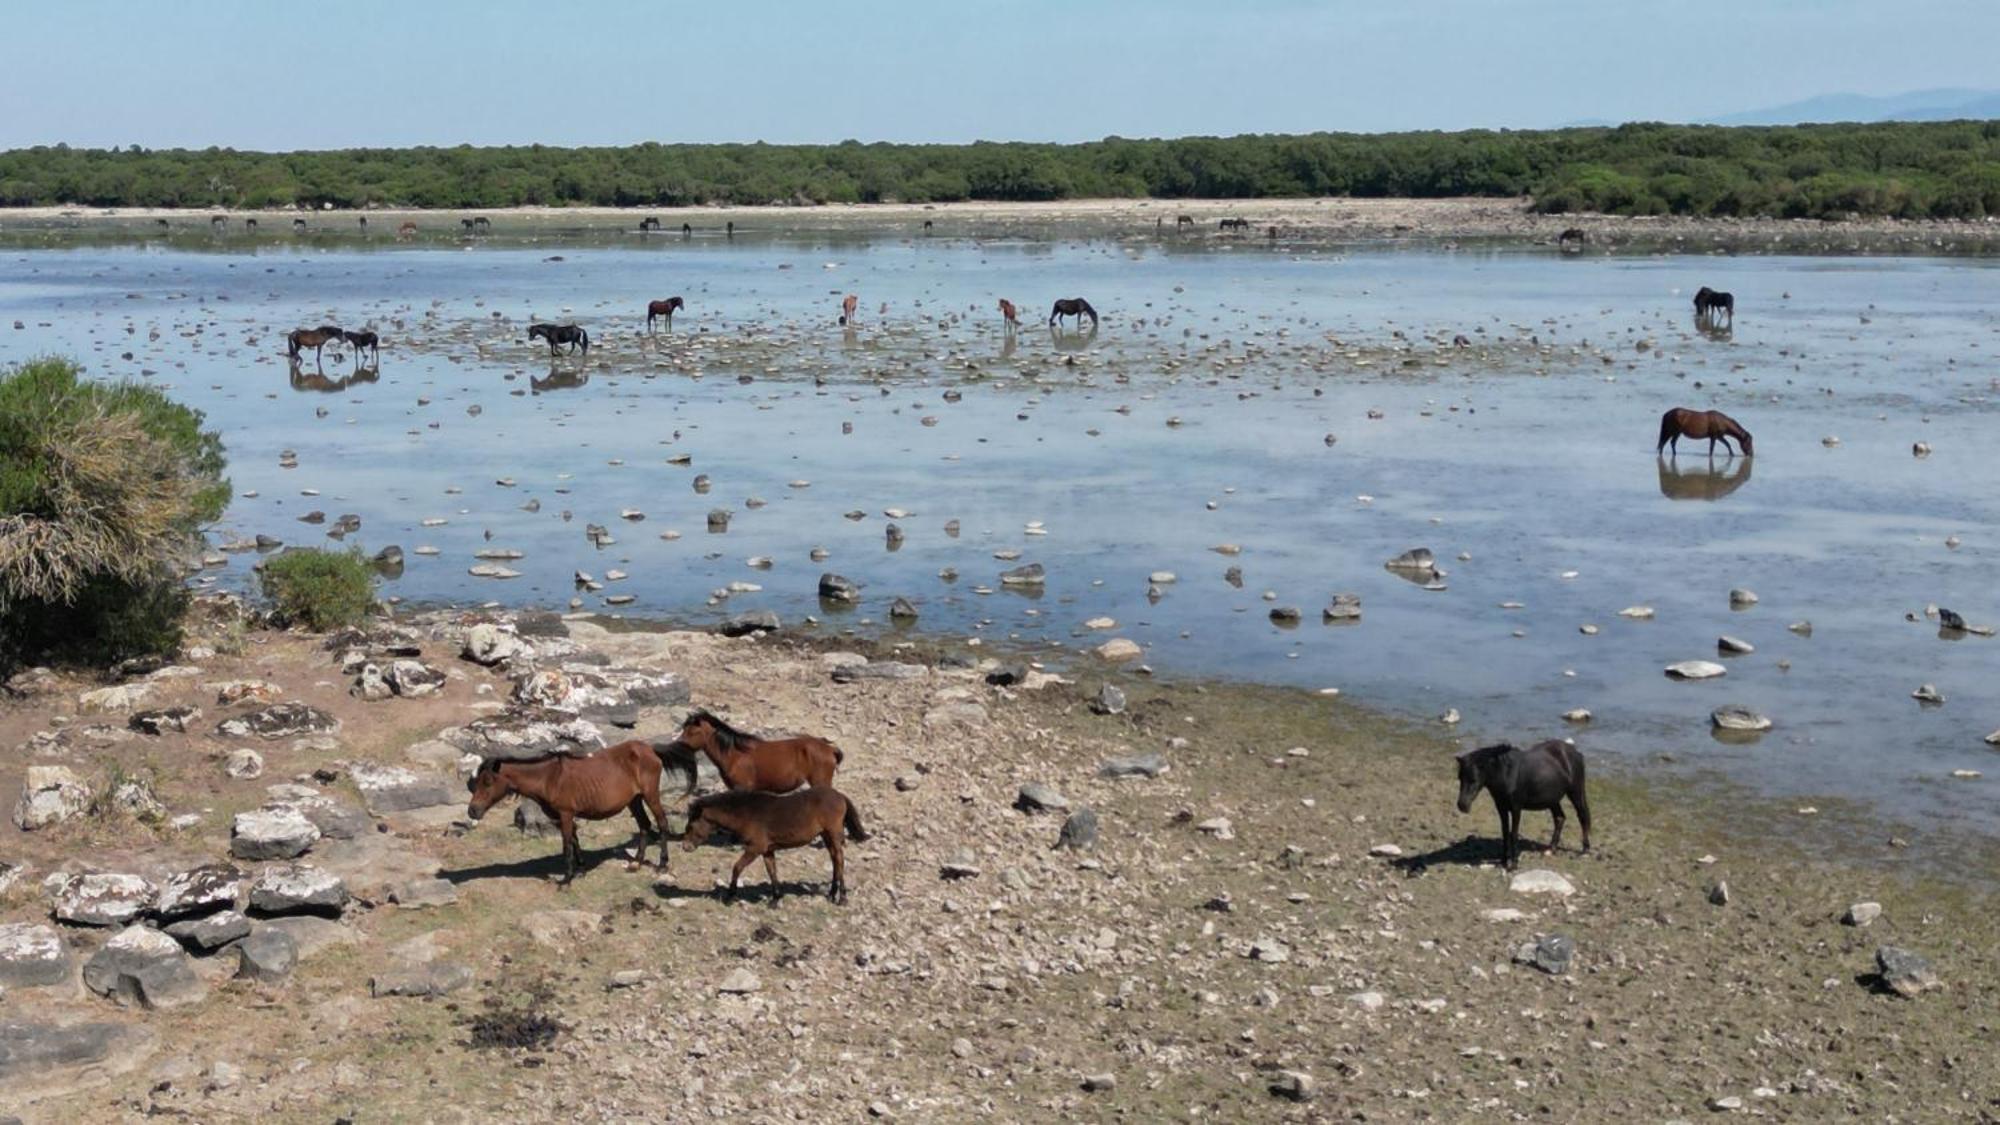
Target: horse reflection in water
(558, 380)
(322, 383)
(1703, 479)
(1074, 340)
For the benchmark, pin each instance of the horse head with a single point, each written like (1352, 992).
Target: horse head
(697, 831)
(487, 788)
(1472, 766)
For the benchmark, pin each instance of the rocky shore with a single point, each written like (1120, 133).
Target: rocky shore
(242, 885)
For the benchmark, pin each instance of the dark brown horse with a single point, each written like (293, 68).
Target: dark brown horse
(847, 307)
(1009, 314)
(745, 761)
(649, 223)
(364, 340)
(315, 338)
(1539, 777)
(1183, 221)
(1714, 425)
(570, 334)
(663, 308)
(1076, 307)
(1233, 224)
(406, 231)
(621, 778)
(1710, 306)
(769, 822)
(1572, 240)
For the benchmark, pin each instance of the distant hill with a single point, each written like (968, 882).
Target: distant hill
(1918, 105)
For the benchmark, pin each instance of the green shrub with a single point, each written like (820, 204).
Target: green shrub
(320, 590)
(103, 491)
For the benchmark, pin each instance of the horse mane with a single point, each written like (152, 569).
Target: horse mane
(726, 736)
(1487, 753)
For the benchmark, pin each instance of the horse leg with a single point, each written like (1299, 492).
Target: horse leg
(1582, 805)
(638, 807)
(836, 892)
(1556, 837)
(652, 797)
(567, 822)
(771, 869)
(736, 873)
(1502, 810)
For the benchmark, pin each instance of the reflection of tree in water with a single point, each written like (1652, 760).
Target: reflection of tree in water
(558, 381)
(1704, 478)
(321, 383)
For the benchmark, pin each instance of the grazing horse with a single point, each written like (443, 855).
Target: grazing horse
(1233, 224)
(361, 340)
(663, 308)
(217, 222)
(315, 338)
(847, 308)
(1183, 221)
(620, 778)
(650, 222)
(768, 822)
(686, 231)
(1009, 314)
(249, 224)
(729, 229)
(406, 231)
(1572, 240)
(1536, 778)
(927, 225)
(1714, 425)
(363, 220)
(298, 226)
(555, 334)
(748, 762)
(1073, 306)
(1709, 303)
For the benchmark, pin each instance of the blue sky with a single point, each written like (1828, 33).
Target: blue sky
(339, 73)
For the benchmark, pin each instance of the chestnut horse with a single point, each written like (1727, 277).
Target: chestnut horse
(847, 308)
(625, 777)
(663, 308)
(768, 822)
(1714, 425)
(315, 338)
(1009, 314)
(745, 761)
(1076, 307)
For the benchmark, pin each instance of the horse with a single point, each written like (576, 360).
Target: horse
(363, 220)
(249, 224)
(217, 222)
(650, 222)
(298, 226)
(406, 231)
(1233, 224)
(687, 231)
(161, 223)
(847, 308)
(1073, 306)
(1714, 425)
(360, 340)
(1572, 240)
(315, 338)
(1009, 314)
(1183, 221)
(746, 761)
(555, 334)
(1708, 302)
(927, 226)
(663, 308)
(1536, 778)
(768, 822)
(621, 778)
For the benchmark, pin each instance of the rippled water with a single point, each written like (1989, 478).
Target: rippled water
(1530, 451)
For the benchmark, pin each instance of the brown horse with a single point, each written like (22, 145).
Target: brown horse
(1009, 314)
(625, 777)
(1572, 240)
(406, 231)
(847, 308)
(1714, 425)
(315, 338)
(663, 308)
(745, 761)
(364, 341)
(768, 822)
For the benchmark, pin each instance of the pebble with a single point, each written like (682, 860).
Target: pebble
(1696, 670)
(1739, 597)
(1726, 643)
(1540, 881)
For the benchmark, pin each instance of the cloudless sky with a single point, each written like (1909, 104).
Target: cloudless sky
(343, 73)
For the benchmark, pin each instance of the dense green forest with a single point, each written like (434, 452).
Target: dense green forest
(1915, 170)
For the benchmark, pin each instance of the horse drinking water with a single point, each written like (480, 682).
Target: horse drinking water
(663, 308)
(770, 822)
(315, 338)
(748, 762)
(1536, 778)
(1710, 305)
(1714, 425)
(620, 778)
(555, 334)
(1076, 307)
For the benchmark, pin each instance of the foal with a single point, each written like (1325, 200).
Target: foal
(769, 822)
(625, 777)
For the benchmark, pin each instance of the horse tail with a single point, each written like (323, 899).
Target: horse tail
(1666, 430)
(585, 337)
(676, 756)
(292, 345)
(852, 819)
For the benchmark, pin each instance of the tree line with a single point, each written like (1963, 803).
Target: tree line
(1904, 170)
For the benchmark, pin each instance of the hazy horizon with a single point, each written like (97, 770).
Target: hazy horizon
(370, 74)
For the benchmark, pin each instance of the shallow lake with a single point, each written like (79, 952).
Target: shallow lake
(1197, 416)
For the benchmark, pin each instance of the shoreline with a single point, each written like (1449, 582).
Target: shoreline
(1296, 220)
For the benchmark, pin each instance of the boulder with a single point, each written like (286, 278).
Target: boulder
(1034, 797)
(1738, 718)
(279, 720)
(1418, 559)
(1905, 973)
(134, 797)
(297, 888)
(116, 699)
(1550, 953)
(1861, 914)
(1695, 670)
(836, 588)
(490, 644)
(50, 795)
(1345, 607)
(754, 621)
(518, 735)
(32, 955)
(1027, 574)
(267, 955)
(165, 720)
(370, 685)
(1118, 649)
(1079, 831)
(1109, 700)
(1150, 764)
(140, 965)
(244, 764)
(1540, 881)
(209, 932)
(392, 789)
(199, 890)
(100, 898)
(274, 832)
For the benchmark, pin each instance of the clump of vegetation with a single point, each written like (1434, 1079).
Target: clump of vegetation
(103, 492)
(321, 590)
(516, 1022)
(1948, 169)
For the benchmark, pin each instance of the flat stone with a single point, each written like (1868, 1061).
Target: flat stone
(1100, 1083)
(392, 789)
(278, 832)
(1027, 574)
(1034, 797)
(1738, 718)
(1740, 597)
(266, 955)
(739, 982)
(312, 933)
(1119, 649)
(32, 955)
(960, 866)
(51, 1059)
(1736, 645)
(165, 720)
(116, 699)
(1149, 764)
(419, 893)
(1294, 1085)
(413, 679)
(140, 965)
(101, 898)
(962, 713)
(279, 720)
(297, 888)
(1415, 559)
(560, 929)
(436, 978)
(878, 670)
(199, 890)
(517, 737)
(754, 621)
(1695, 670)
(1861, 914)
(489, 644)
(210, 932)
(1540, 881)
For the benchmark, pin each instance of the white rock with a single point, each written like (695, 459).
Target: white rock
(1696, 670)
(1540, 881)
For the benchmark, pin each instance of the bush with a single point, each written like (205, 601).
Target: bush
(320, 590)
(103, 491)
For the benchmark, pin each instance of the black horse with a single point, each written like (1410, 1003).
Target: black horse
(1536, 778)
(299, 226)
(360, 340)
(1572, 240)
(1710, 306)
(649, 223)
(555, 334)
(1076, 307)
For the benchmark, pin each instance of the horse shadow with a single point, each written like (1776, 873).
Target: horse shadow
(1705, 480)
(746, 891)
(1472, 851)
(546, 867)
